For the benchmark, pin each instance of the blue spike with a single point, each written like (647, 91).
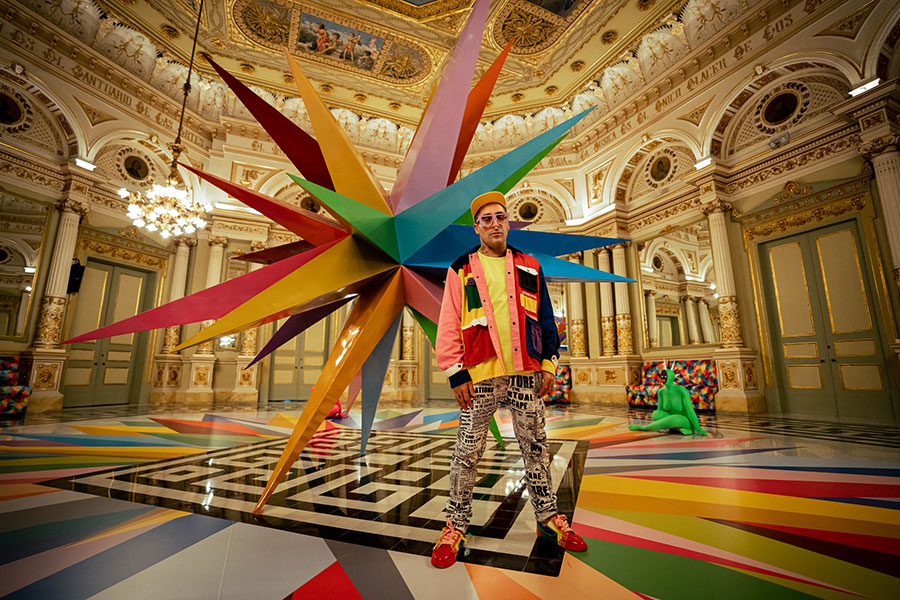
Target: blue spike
(373, 371)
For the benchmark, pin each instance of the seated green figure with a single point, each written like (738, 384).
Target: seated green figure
(675, 410)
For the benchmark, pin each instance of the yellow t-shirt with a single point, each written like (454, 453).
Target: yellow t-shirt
(495, 277)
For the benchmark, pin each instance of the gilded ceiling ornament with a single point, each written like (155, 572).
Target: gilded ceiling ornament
(577, 65)
(645, 4)
(326, 88)
(518, 97)
(609, 36)
(394, 106)
(268, 20)
(551, 90)
(361, 98)
(401, 63)
(287, 78)
(219, 44)
(247, 68)
(169, 31)
(528, 30)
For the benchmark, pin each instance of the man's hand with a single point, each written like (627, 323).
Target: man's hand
(464, 393)
(546, 383)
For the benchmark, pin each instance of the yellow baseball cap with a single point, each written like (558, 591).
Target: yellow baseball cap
(485, 199)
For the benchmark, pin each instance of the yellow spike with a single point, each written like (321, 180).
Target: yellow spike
(349, 172)
(367, 322)
(335, 269)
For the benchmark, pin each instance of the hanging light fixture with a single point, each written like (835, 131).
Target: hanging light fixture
(169, 208)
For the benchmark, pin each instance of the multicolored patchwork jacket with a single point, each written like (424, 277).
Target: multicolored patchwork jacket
(467, 332)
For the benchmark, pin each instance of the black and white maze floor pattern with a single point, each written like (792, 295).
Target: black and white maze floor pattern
(392, 498)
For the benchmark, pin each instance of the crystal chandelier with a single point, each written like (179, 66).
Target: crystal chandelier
(169, 208)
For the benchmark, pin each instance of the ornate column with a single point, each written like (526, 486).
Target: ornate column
(53, 304)
(576, 316)
(736, 366)
(706, 326)
(407, 380)
(246, 386)
(623, 313)
(690, 311)
(886, 164)
(42, 364)
(877, 112)
(24, 297)
(652, 333)
(728, 306)
(168, 366)
(213, 277)
(592, 310)
(607, 320)
(179, 279)
(199, 394)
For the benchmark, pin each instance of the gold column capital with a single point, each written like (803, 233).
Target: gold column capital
(217, 240)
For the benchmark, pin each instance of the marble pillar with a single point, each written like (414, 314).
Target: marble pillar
(42, 364)
(199, 394)
(179, 280)
(652, 330)
(168, 384)
(577, 346)
(706, 326)
(728, 307)
(245, 393)
(623, 313)
(690, 312)
(607, 308)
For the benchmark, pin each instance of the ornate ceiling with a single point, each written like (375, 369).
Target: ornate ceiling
(383, 56)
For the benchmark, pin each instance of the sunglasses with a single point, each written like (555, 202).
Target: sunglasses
(488, 220)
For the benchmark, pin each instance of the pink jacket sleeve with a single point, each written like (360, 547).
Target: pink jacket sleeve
(449, 344)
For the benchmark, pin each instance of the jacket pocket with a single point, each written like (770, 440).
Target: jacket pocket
(533, 342)
(477, 346)
(528, 278)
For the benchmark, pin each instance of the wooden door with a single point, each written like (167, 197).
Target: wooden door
(106, 371)
(825, 329)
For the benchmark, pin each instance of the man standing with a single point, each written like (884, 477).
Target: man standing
(497, 341)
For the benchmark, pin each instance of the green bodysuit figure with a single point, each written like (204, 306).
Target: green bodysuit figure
(675, 410)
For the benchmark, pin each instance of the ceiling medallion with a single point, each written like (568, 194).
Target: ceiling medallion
(609, 36)
(535, 24)
(170, 32)
(577, 65)
(332, 40)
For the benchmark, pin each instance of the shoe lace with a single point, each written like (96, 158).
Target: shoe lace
(450, 535)
(562, 523)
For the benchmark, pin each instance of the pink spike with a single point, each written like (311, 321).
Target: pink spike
(422, 294)
(307, 224)
(300, 147)
(427, 165)
(211, 303)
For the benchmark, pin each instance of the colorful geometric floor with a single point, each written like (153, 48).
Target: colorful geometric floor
(733, 515)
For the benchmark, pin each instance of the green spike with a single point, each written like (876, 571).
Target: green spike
(375, 226)
(495, 429)
(427, 325)
(511, 181)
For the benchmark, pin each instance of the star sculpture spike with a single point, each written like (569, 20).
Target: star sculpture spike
(390, 251)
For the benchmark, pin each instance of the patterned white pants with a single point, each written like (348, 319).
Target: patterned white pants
(520, 394)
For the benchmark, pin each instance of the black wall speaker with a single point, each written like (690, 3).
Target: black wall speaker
(75, 275)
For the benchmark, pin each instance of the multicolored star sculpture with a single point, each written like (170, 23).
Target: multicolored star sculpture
(388, 250)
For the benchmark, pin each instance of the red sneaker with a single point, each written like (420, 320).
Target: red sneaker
(557, 530)
(444, 553)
